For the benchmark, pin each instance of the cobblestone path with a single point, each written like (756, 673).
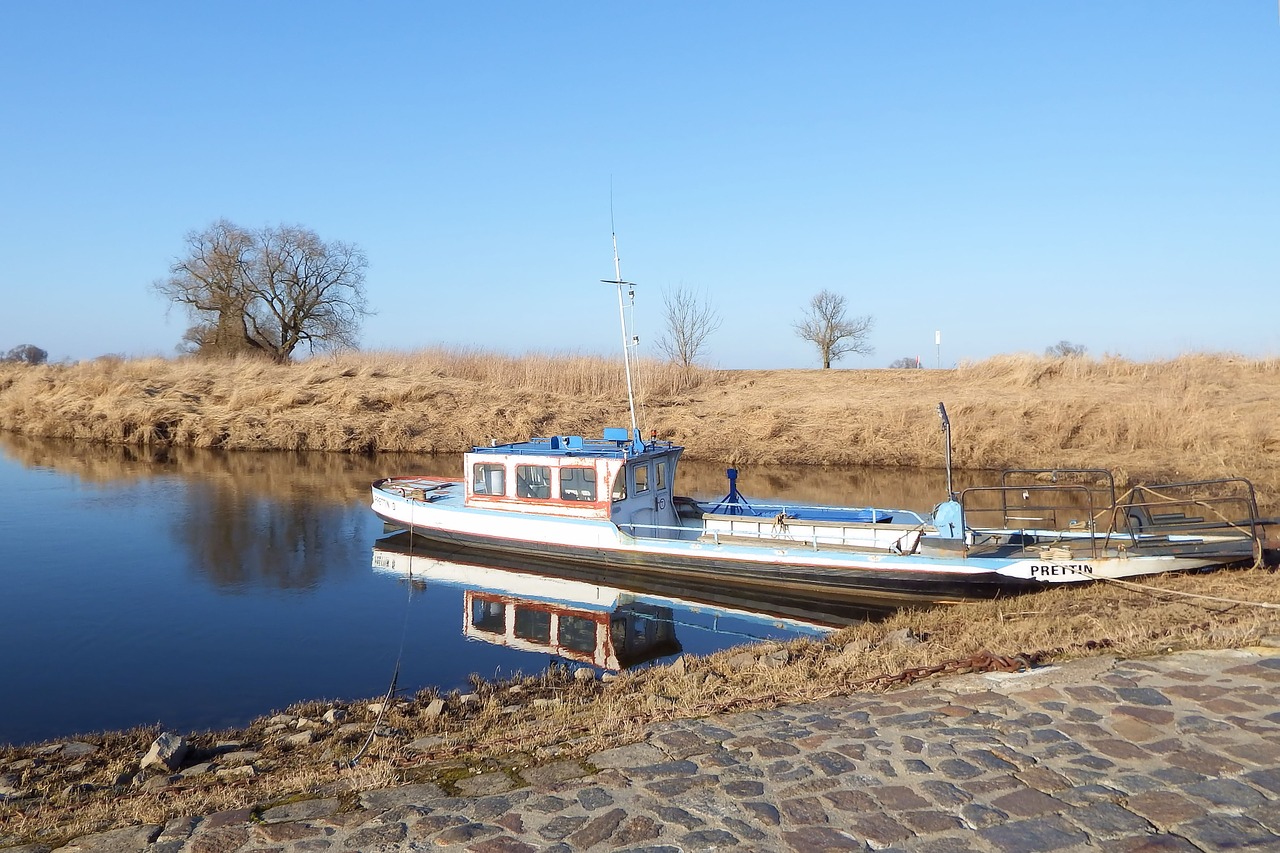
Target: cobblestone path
(1179, 753)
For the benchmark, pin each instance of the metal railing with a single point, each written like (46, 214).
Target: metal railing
(1167, 508)
(769, 510)
(823, 531)
(1146, 514)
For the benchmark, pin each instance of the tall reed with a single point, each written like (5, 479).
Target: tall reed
(1196, 415)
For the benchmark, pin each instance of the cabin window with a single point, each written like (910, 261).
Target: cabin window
(533, 481)
(578, 633)
(661, 482)
(642, 478)
(489, 616)
(533, 625)
(620, 485)
(629, 632)
(489, 479)
(577, 484)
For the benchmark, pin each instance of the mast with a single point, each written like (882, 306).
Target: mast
(627, 340)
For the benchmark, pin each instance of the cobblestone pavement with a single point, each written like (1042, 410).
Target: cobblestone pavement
(1180, 753)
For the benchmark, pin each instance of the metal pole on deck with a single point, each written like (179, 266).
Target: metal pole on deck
(946, 432)
(626, 342)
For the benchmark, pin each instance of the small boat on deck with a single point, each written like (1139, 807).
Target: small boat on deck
(609, 504)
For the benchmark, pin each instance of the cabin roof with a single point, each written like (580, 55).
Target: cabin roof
(575, 446)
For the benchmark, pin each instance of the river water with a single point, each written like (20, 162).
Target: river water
(199, 590)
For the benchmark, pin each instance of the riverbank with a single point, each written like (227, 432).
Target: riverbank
(1195, 416)
(1171, 753)
(53, 792)
(1200, 416)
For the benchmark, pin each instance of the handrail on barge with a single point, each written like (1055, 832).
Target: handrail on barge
(1135, 517)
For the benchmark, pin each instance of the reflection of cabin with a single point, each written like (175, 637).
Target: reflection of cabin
(630, 634)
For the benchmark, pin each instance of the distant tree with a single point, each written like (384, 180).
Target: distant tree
(688, 320)
(1064, 349)
(825, 325)
(267, 291)
(26, 354)
(907, 361)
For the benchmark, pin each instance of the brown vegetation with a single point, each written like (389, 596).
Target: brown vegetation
(503, 728)
(1194, 416)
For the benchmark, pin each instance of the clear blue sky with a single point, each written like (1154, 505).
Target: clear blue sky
(1010, 173)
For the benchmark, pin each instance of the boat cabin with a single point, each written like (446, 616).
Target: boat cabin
(617, 477)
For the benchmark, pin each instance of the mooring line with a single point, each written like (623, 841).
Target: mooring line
(1153, 589)
(1147, 588)
(395, 674)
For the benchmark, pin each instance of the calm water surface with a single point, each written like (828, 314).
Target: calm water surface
(201, 590)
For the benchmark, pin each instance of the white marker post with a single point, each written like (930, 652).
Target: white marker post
(937, 342)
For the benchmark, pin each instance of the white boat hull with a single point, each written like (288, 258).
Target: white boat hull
(880, 564)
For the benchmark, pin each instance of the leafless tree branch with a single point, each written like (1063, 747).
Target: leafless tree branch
(826, 326)
(269, 291)
(688, 320)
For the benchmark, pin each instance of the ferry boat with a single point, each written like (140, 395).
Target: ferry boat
(609, 504)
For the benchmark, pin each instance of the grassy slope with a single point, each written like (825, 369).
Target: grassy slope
(1199, 415)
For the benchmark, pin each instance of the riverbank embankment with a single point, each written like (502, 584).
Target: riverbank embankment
(1172, 753)
(533, 727)
(1194, 416)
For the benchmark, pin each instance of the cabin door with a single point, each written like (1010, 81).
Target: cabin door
(644, 514)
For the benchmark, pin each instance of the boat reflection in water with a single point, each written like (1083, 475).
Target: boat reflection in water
(576, 618)
(628, 634)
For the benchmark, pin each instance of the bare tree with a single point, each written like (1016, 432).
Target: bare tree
(906, 361)
(1064, 349)
(267, 291)
(213, 282)
(688, 320)
(825, 325)
(26, 354)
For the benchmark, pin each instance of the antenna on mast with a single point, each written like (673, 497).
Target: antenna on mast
(627, 340)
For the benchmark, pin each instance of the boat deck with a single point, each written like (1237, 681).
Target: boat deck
(1067, 549)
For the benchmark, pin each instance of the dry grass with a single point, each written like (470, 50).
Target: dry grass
(503, 728)
(426, 402)
(1198, 415)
